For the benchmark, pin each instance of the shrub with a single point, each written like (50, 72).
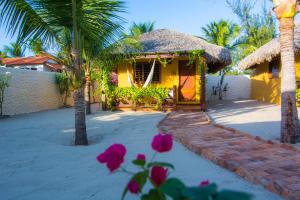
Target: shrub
(157, 174)
(149, 96)
(4, 83)
(63, 82)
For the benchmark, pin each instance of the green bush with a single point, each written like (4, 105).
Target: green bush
(4, 83)
(63, 82)
(298, 97)
(149, 96)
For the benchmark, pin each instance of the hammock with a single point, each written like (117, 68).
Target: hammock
(129, 79)
(150, 76)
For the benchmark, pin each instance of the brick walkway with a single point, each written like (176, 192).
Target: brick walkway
(275, 166)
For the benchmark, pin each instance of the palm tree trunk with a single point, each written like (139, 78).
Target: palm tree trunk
(80, 126)
(289, 116)
(1, 101)
(87, 92)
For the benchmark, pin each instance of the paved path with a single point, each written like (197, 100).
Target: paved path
(38, 160)
(273, 165)
(254, 117)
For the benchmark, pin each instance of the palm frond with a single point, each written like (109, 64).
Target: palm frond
(15, 49)
(23, 18)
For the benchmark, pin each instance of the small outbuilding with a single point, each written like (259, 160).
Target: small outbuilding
(266, 69)
(44, 63)
(173, 60)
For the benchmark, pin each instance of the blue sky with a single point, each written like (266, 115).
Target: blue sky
(186, 16)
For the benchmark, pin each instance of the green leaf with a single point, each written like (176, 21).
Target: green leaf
(154, 194)
(233, 195)
(161, 164)
(173, 187)
(140, 178)
(139, 162)
(203, 193)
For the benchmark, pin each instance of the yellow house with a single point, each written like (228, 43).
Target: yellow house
(266, 70)
(170, 54)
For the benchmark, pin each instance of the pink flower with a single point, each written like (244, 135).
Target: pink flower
(133, 187)
(114, 78)
(158, 175)
(204, 183)
(113, 156)
(162, 142)
(141, 157)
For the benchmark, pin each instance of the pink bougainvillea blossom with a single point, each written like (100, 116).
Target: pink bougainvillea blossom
(133, 187)
(141, 157)
(113, 156)
(162, 142)
(204, 183)
(158, 175)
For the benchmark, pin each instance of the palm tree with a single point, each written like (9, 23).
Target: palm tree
(36, 46)
(285, 11)
(256, 29)
(14, 50)
(131, 40)
(45, 19)
(223, 33)
(3, 54)
(142, 27)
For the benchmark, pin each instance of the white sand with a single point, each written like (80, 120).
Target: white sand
(38, 161)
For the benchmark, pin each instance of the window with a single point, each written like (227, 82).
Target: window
(274, 69)
(142, 71)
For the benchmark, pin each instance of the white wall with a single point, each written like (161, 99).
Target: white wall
(29, 67)
(30, 91)
(239, 87)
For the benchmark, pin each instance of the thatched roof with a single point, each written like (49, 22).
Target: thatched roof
(268, 51)
(169, 41)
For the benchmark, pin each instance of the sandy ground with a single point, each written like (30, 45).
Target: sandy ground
(257, 118)
(39, 162)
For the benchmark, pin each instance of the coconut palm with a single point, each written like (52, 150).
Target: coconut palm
(3, 55)
(142, 27)
(36, 46)
(223, 33)
(45, 19)
(14, 50)
(131, 40)
(92, 55)
(285, 11)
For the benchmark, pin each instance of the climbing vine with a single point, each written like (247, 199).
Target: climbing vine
(164, 61)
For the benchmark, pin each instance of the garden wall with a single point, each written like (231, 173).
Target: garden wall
(30, 91)
(239, 87)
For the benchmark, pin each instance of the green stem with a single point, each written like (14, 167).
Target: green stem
(154, 155)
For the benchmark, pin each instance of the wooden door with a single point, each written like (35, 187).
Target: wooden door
(187, 82)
